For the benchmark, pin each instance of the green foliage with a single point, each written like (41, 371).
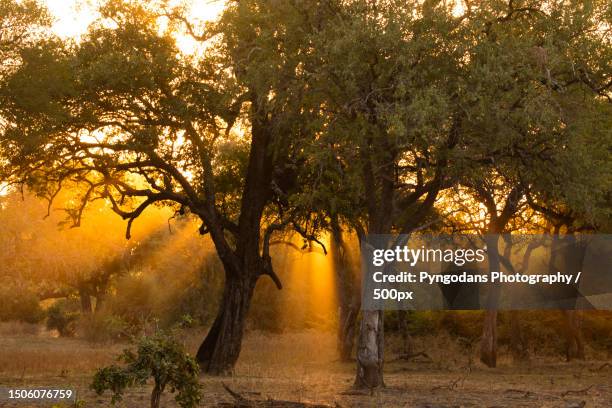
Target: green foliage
(159, 357)
(63, 317)
(22, 24)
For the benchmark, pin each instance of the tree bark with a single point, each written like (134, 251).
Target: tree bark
(156, 396)
(243, 264)
(347, 331)
(348, 294)
(370, 354)
(220, 349)
(488, 345)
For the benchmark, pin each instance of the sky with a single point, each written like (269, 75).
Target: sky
(72, 17)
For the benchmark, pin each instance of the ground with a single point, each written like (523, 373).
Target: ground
(303, 367)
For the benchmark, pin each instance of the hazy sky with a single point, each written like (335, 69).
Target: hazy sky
(73, 16)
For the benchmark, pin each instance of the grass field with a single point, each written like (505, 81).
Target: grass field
(303, 367)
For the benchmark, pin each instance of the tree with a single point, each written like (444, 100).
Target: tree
(405, 120)
(388, 128)
(526, 90)
(21, 24)
(161, 357)
(54, 262)
(129, 120)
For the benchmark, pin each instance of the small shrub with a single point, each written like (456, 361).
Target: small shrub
(62, 318)
(160, 357)
(19, 304)
(104, 327)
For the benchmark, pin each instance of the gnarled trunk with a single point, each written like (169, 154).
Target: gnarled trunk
(220, 349)
(370, 354)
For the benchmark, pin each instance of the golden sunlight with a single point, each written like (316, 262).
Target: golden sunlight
(73, 17)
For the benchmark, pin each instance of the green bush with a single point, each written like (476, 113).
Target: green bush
(160, 357)
(61, 317)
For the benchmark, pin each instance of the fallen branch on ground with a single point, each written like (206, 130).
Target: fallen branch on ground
(411, 356)
(454, 384)
(242, 402)
(601, 367)
(577, 392)
(525, 394)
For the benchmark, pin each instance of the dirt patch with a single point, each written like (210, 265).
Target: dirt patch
(303, 368)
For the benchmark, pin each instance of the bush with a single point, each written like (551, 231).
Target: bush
(19, 304)
(104, 327)
(62, 317)
(160, 357)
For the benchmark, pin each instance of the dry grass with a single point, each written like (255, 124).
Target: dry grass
(19, 328)
(304, 367)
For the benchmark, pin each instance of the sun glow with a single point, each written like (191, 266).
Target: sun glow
(73, 17)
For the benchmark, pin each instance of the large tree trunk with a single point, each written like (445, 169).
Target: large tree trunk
(220, 349)
(348, 293)
(370, 352)
(243, 264)
(573, 330)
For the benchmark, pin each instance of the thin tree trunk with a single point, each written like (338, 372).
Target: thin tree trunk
(407, 343)
(370, 354)
(86, 305)
(573, 330)
(518, 341)
(156, 396)
(220, 349)
(488, 345)
(100, 297)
